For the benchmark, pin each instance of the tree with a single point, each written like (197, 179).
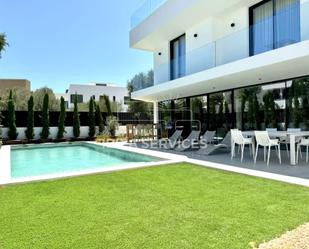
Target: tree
(45, 117)
(39, 95)
(138, 82)
(3, 42)
(306, 111)
(269, 110)
(107, 104)
(30, 120)
(20, 97)
(12, 134)
(62, 116)
(76, 121)
(99, 119)
(91, 115)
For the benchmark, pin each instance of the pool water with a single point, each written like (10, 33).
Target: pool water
(37, 160)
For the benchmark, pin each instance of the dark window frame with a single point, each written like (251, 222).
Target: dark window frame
(251, 9)
(172, 55)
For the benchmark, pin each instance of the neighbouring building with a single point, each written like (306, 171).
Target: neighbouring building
(96, 90)
(65, 97)
(15, 83)
(227, 63)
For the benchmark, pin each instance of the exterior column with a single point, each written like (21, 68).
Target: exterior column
(155, 112)
(156, 119)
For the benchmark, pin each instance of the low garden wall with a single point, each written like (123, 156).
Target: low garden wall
(53, 132)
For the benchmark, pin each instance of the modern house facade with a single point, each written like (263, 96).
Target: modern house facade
(226, 63)
(97, 90)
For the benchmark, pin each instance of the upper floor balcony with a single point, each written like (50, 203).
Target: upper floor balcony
(144, 11)
(276, 44)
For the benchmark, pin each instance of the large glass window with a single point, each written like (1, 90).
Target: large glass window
(274, 24)
(298, 103)
(260, 107)
(178, 57)
(280, 105)
(79, 98)
(199, 109)
(220, 116)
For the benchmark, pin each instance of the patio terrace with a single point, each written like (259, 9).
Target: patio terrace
(300, 170)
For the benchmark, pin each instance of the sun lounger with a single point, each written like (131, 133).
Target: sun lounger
(208, 137)
(172, 142)
(224, 146)
(191, 141)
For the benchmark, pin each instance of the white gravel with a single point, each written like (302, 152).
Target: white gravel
(296, 239)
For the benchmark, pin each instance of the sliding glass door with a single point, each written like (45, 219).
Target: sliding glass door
(274, 24)
(178, 57)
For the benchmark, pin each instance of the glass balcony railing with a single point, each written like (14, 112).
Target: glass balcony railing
(235, 46)
(148, 7)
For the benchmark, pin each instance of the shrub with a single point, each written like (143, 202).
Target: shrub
(112, 125)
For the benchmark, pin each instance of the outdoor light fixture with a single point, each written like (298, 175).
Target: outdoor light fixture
(159, 53)
(195, 35)
(233, 24)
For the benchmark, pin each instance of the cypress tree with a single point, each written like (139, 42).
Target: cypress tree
(62, 116)
(91, 116)
(100, 119)
(76, 122)
(108, 105)
(45, 117)
(30, 120)
(12, 118)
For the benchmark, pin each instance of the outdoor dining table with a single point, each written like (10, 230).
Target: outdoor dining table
(292, 137)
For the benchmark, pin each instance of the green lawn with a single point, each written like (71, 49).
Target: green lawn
(178, 206)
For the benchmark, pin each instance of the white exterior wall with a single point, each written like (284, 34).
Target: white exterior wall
(89, 90)
(217, 43)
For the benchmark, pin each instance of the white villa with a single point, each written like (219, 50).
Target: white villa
(96, 90)
(226, 63)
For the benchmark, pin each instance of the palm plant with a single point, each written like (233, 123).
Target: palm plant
(3, 42)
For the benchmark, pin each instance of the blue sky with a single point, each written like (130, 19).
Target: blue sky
(57, 42)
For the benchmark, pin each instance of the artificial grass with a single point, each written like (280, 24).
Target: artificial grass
(176, 206)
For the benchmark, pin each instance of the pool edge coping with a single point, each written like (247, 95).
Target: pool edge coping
(168, 157)
(5, 152)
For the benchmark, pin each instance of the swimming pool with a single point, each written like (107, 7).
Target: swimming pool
(38, 160)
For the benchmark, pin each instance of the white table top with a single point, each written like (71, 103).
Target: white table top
(280, 133)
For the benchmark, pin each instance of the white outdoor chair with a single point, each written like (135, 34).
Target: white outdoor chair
(286, 140)
(239, 139)
(304, 142)
(262, 139)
